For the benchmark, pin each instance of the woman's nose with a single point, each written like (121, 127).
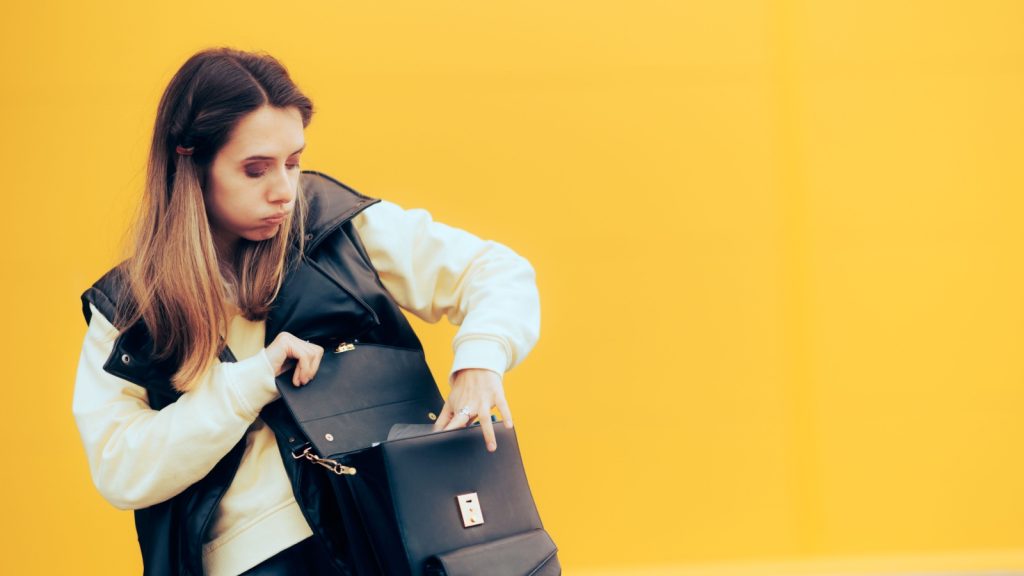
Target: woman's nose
(282, 188)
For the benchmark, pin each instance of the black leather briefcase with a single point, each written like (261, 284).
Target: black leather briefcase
(429, 505)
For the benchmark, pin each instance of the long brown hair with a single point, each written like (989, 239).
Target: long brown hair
(176, 280)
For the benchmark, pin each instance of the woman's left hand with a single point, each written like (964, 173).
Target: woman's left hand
(474, 392)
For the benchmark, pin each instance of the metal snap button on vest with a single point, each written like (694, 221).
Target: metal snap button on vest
(126, 359)
(330, 437)
(431, 415)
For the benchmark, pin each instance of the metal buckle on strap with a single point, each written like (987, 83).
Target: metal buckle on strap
(332, 465)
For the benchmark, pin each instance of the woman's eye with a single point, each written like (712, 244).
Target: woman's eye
(259, 173)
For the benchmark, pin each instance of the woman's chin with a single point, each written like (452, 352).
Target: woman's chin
(265, 233)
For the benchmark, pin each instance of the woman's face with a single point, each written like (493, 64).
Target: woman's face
(252, 181)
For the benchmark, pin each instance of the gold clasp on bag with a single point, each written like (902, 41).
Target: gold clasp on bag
(469, 507)
(336, 467)
(344, 347)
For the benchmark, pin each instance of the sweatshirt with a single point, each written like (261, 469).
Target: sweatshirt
(139, 457)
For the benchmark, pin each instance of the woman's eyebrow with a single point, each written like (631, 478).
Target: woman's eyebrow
(271, 157)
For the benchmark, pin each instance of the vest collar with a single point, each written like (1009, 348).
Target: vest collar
(329, 205)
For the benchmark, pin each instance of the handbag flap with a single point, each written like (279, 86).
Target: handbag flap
(357, 395)
(531, 553)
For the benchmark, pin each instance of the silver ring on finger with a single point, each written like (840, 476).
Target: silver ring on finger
(465, 412)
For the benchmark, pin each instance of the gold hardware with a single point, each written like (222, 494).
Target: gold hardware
(469, 507)
(431, 415)
(344, 347)
(329, 437)
(336, 467)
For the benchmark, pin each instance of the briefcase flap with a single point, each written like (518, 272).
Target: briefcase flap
(529, 554)
(359, 393)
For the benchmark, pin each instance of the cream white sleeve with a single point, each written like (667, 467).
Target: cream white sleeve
(138, 456)
(433, 270)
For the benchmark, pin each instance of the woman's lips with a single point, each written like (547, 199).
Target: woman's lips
(275, 219)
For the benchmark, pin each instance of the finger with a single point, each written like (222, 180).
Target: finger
(296, 364)
(311, 361)
(307, 365)
(460, 420)
(302, 369)
(444, 418)
(318, 355)
(506, 412)
(288, 364)
(297, 373)
(488, 429)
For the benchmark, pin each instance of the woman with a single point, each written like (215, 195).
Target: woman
(175, 397)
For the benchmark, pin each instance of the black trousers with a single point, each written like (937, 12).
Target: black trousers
(307, 558)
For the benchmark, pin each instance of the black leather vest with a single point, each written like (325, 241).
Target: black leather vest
(330, 295)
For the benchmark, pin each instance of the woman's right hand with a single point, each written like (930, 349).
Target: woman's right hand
(286, 351)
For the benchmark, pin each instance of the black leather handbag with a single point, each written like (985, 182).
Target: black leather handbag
(427, 505)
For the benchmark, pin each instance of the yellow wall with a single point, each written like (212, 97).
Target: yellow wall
(778, 245)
